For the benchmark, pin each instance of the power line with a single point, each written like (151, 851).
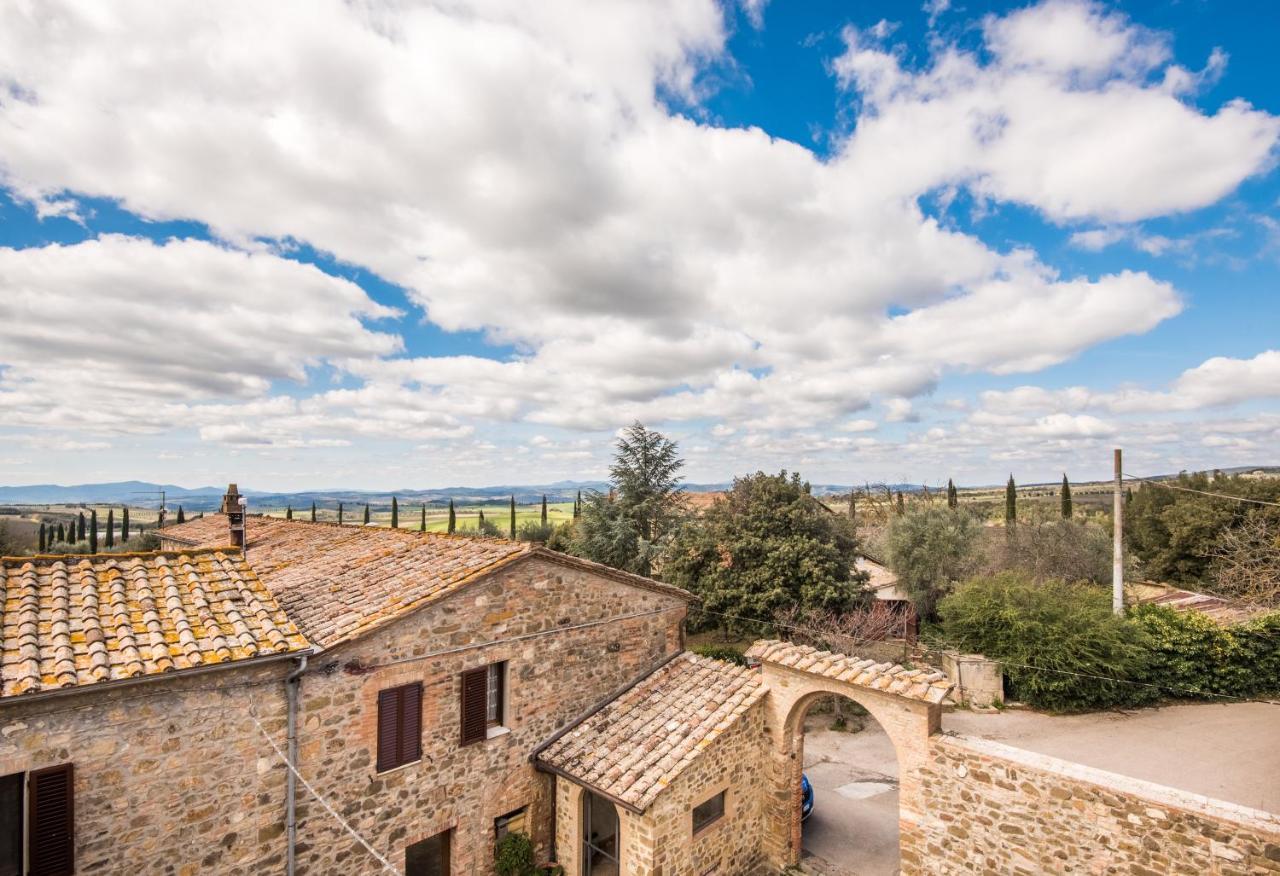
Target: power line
(1170, 486)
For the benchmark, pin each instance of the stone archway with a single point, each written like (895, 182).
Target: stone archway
(906, 702)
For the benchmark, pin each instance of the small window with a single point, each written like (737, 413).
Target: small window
(484, 696)
(46, 799)
(708, 813)
(512, 822)
(399, 726)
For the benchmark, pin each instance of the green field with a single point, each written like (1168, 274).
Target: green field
(468, 516)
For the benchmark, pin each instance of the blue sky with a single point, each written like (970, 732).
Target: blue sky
(421, 247)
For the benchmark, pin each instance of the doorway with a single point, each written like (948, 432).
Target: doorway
(600, 847)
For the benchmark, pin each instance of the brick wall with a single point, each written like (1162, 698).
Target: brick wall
(991, 808)
(553, 675)
(171, 775)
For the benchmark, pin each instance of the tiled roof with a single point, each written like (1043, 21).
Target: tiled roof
(637, 744)
(75, 620)
(1224, 611)
(339, 582)
(928, 685)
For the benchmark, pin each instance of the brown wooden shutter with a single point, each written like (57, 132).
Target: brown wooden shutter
(410, 723)
(388, 728)
(475, 696)
(51, 821)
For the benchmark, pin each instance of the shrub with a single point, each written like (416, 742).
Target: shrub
(1053, 625)
(1190, 652)
(514, 855)
(726, 653)
(930, 548)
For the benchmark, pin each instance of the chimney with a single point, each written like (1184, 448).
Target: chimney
(233, 505)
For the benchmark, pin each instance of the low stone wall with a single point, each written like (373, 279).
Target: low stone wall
(978, 681)
(987, 807)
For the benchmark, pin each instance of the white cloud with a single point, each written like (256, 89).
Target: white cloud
(859, 426)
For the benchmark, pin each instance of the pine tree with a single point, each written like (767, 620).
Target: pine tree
(1010, 503)
(902, 503)
(93, 532)
(395, 513)
(313, 512)
(453, 518)
(513, 517)
(80, 534)
(288, 512)
(182, 518)
(111, 527)
(952, 499)
(544, 509)
(422, 527)
(43, 542)
(340, 509)
(1067, 510)
(124, 523)
(62, 533)
(366, 513)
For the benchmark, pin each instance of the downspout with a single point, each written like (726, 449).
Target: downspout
(291, 685)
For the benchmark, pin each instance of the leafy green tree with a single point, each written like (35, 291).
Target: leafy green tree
(766, 545)
(453, 518)
(514, 855)
(1010, 503)
(366, 513)
(395, 513)
(93, 532)
(313, 512)
(953, 500)
(111, 528)
(931, 548)
(1066, 498)
(628, 528)
(124, 523)
(513, 517)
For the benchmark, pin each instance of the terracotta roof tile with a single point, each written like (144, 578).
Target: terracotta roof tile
(79, 620)
(640, 742)
(338, 582)
(928, 685)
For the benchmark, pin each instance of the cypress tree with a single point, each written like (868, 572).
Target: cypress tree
(1010, 503)
(853, 504)
(93, 532)
(124, 523)
(902, 504)
(339, 513)
(453, 518)
(62, 533)
(43, 543)
(182, 518)
(544, 509)
(1067, 510)
(366, 513)
(111, 527)
(577, 505)
(395, 513)
(513, 517)
(952, 499)
(422, 527)
(313, 512)
(80, 534)
(288, 512)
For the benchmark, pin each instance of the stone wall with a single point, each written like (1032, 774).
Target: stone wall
(991, 808)
(566, 649)
(171, 775)
(664, 841)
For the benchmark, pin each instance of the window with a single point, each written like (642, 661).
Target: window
(708, 813)
(430, 857)
(512, 822)
(599, 836)
(483, 701)
(47, 798)
(399, 726)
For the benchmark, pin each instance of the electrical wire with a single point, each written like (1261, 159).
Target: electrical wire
(1170, 486)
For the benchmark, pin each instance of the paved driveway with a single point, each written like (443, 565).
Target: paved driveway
(1227, 751)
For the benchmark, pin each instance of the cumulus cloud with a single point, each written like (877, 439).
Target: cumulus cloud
(516, 169)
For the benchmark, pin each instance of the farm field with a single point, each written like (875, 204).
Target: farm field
(468, 516)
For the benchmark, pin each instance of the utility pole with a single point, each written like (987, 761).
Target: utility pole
(1117, 550)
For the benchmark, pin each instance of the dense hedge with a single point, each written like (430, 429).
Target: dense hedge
(1065, 651)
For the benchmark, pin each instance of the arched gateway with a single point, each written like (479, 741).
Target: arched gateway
(695, 768)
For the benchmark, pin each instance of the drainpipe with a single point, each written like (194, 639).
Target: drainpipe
(291, 685)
